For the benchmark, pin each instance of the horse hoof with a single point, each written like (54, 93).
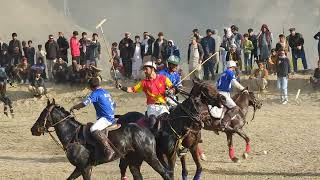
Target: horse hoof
(235, 160)
(124, 178)
(245, 155)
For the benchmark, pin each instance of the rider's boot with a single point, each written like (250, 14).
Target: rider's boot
(102, 139)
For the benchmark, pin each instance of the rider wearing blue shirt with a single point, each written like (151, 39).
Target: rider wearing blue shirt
(104, 107)
(224, 84)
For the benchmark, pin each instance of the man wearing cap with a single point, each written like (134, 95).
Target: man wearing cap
(15, 49)
(154, 86)
(75, 47)
(296, 43)
(52, 49)
(126, 48)
(209, 47)
(224, 83)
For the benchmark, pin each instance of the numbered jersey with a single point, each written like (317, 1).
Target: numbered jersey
(224, 82)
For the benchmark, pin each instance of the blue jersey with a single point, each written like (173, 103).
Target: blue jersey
(224, 82)
(173, 76)
(103, 104)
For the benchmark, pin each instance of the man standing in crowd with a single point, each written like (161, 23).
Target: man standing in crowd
(42, 54)
(247, 48)
(136, 58)
(195, 57)
(296, 43)
(283, 70)
(15, 50)
(52, 50)
(238, 39)
(93, 50)
(146, 46)
(217, 40)
(317, 37)
(4, 56)
(125, 47)
(196, 34)
(254, 40)
(30, 53)
(209, 47)
(160, 49)
(75, 47)
(63, 47)
(227, 41)
(83, 48)
(259, 77)
(265, 43)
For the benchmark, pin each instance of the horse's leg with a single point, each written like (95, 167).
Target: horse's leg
(242, 134)
(75, 174)
(184, 168)
(123, 168)
(157, 166)
(135, 171)
(196, 159)
(86, 173)
(231, 149)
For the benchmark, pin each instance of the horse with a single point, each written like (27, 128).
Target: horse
(243, 101)
(181, 126)
(131, 141)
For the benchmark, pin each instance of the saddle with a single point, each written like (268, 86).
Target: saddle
(144, 122)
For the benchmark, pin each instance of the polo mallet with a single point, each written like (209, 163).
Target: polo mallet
(99, 26)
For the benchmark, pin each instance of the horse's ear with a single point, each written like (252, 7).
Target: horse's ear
(246, 88)
(48, 102)
(53, 101)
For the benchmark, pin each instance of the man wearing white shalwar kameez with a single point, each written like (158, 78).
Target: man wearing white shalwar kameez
(136, 59)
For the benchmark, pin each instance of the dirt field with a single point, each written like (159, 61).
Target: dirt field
(288, 133)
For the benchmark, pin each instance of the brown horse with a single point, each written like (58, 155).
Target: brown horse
(243, 100)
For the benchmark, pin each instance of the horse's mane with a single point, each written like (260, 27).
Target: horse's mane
(67, 113)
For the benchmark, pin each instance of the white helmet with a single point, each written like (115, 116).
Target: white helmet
(231, 64)
(150, 64)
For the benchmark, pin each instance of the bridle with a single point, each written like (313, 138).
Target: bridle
(45, 128)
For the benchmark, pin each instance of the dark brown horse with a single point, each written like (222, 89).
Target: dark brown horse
(183, 125)
(243, 100)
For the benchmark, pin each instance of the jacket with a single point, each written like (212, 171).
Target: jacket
(283, 67)
(295, 41)
(156, 49)
(268, 35)
(226, 42)
(254, 41)
(200, 50)
(173, 50)
(256, 73)
(209, 46)
(247, 46)
(93, 50)
(125, 52)
(52, 50)
(75, 47)
(15, 47)
(134, 49)
(146, 46)
(63, 45)
(29, 54)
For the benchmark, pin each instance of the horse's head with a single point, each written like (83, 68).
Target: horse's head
(253, 101)
(50, 115)
(207, 93)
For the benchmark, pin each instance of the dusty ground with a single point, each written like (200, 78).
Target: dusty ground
(288, 133)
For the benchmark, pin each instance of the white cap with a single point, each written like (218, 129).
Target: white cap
(150, 64)
(231, 64)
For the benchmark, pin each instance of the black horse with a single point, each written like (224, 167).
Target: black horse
(181, 126)
(133, 142)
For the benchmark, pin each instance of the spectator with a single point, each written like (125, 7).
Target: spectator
(160, 49)
(247, 49)
(52, 50)
(317, 37)
(172, 50)
(93, 50)
(254, 40)
(208, 45)
(238, 41)
(42, 54)
(63, 47)
(272, 62)
(315, 80)
(232, 55)
(37, 86)
(125, 47)
(283, 44)
(39, 66)
(227, 41)
(4, 56)
(195, 57)
(146, 46)
(75, 47)
(15, 50)
(24, 48)
(196, 34)
(296, 43)
(283, 70)
(216, 57)
(83, 48)
(136, 58)
(60, 69)
(23, 70)
(259, 77)
(74, 73)
(265, 43)
(30, 53)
